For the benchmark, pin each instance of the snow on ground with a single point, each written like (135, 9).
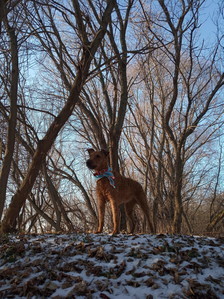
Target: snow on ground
(105, 266)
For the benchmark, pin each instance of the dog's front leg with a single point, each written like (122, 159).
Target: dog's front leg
(115, 214)
(101, 213)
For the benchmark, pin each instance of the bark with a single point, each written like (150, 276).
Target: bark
(178, 205)
(54, 198)
(187, 223)
(219, 217)
(4, 175)
(1, 14)
(158, 196)
(44, 145)
(116, 125)
(57, 202)
(116, 128)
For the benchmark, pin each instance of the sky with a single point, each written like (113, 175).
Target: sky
(208, 17)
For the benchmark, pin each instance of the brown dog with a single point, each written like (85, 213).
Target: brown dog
(116, 189)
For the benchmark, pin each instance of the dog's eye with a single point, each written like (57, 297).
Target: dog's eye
(97, 156)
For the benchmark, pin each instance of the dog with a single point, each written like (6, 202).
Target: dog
(116, 189)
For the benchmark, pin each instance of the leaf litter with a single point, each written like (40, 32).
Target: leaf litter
(105, 266)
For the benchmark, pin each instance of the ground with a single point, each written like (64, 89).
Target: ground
(105, 266)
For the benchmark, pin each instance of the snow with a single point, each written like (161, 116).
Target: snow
(105, 266)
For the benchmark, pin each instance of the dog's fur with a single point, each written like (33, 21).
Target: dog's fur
(126, 191)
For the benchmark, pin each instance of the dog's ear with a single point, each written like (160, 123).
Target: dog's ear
(90, 150)
(105, 152)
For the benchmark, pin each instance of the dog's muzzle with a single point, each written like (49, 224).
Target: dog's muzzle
(90, 165)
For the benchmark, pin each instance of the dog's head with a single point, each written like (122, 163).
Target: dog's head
(98, 160)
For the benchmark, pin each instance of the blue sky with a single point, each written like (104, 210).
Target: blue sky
(208, 16)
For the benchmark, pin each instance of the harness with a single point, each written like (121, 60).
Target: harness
(105, 173)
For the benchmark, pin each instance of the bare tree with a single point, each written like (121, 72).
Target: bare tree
(89, 49)
(182, 87)
(12, 92)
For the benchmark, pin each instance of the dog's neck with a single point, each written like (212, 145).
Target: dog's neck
(105, 173)
(99, 172)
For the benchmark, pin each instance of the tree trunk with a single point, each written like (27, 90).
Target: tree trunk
(4, 175)
(178, 212)
(57, 203)
(53, 194)
(216, 219)
(44, 145)
(178, 207)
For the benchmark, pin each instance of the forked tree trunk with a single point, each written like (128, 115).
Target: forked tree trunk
(44, 145)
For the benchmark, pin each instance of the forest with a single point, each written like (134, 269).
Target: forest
(139, 78)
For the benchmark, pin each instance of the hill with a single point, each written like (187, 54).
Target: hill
(105, 266)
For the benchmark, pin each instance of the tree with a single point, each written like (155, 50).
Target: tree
(12, 92)
(89, 49)
(182, 89)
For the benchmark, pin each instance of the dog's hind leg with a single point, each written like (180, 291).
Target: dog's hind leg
(115, 214)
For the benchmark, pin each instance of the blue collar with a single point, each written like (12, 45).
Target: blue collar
(106, 173)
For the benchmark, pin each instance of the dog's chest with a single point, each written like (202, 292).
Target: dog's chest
(104, 187)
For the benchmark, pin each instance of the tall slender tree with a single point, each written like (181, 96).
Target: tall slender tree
(13, 95)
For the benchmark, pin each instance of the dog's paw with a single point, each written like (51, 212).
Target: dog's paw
(97, 232)
(115, 232)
